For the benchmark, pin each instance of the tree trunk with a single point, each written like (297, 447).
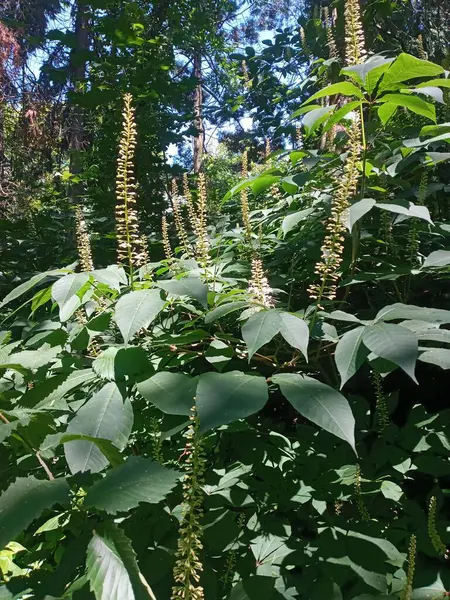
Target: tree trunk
(199, 137)
(78, 80)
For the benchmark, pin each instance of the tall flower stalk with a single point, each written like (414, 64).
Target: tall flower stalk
(83, 241)
(178, 218)
(328, 268)
(245, 209)
(188, 565)
(130, 248)
(202, 243)
(258, 286)
(165, 239)
(355, 45)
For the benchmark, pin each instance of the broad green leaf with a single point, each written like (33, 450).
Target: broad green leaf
(269, 548)
(113, 276)
(434, 82)
(222, 398)
(303, 110)
(391, 490)
(259, 329)
(112, 568)
(369, 73)
(343, 88)
(410, 311)
(350, 354)
(394, 343)
(438, 258)
(68, 286)
(256, 587)
(187, 286)
(291, 221)
(436, 93)
(319, 403)
(116, 363)
(340, 114)
(68, 385)
(136, 480)
(106, 447)
(417, 105)
(25, 287)
(313, 119)
(172, 393)
(219, 354)
(430, 592)
(106, 416)
(437, 356)
(407, 67)
(25, 500)
(386, 111)
(358, 210)
(406, 208)
(257, 184)
(224, 309)
(6, 429)
(340, 315)
(33, 359)
(41, 298)
(295, 331)
(136, 310)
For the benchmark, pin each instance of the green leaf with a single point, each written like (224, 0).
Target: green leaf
(224, 309)
(112, 567)
(106, 416)
(319, 403)
(25, 500)
(136, 310)
(113, 276)
(222, 398)
(343, 88)
(40, 298)
(350, 354)
(417, 105)
(407, 208)
(340, 113)
(256, 587)
(136, 480)
(437, 356)
(391, 490)
(313, 119)
(430, 592)
(259, 329)
(172, 393)
(257, 184)
(438, 258)
(407, 67)
(33, 359)
(358, 210)
(394, 343)
(398, 311)
(386, 111)
(291, 221)
(187, 286)
(106, 447)
(116, 363)
(68, 286)
(295, 331)
(74, 380)
(219, 354)
(369, 73)
(25, 287)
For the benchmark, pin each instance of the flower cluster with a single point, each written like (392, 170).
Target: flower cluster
(355, 45)
(178, 218)
(360, 504)
(188, 565)
(332, 46)
(202, 242)
(193, 219)
(165, 239)
(83, 242)
(130, 249)
(304, 43)
(408, 589)
(382, 412)
(328, 267)
(258, 286)
(413, 241)
(433, 534)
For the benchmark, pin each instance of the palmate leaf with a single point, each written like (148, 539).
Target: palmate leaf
(112, 567)
(187, 286)
(136, 480)
(319, 403)
(222, 398)
(260, 328)
(136, 310)
(67, 287)
(25, 500)
(106, 416)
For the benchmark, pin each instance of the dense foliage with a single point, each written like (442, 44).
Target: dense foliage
(248, 399)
